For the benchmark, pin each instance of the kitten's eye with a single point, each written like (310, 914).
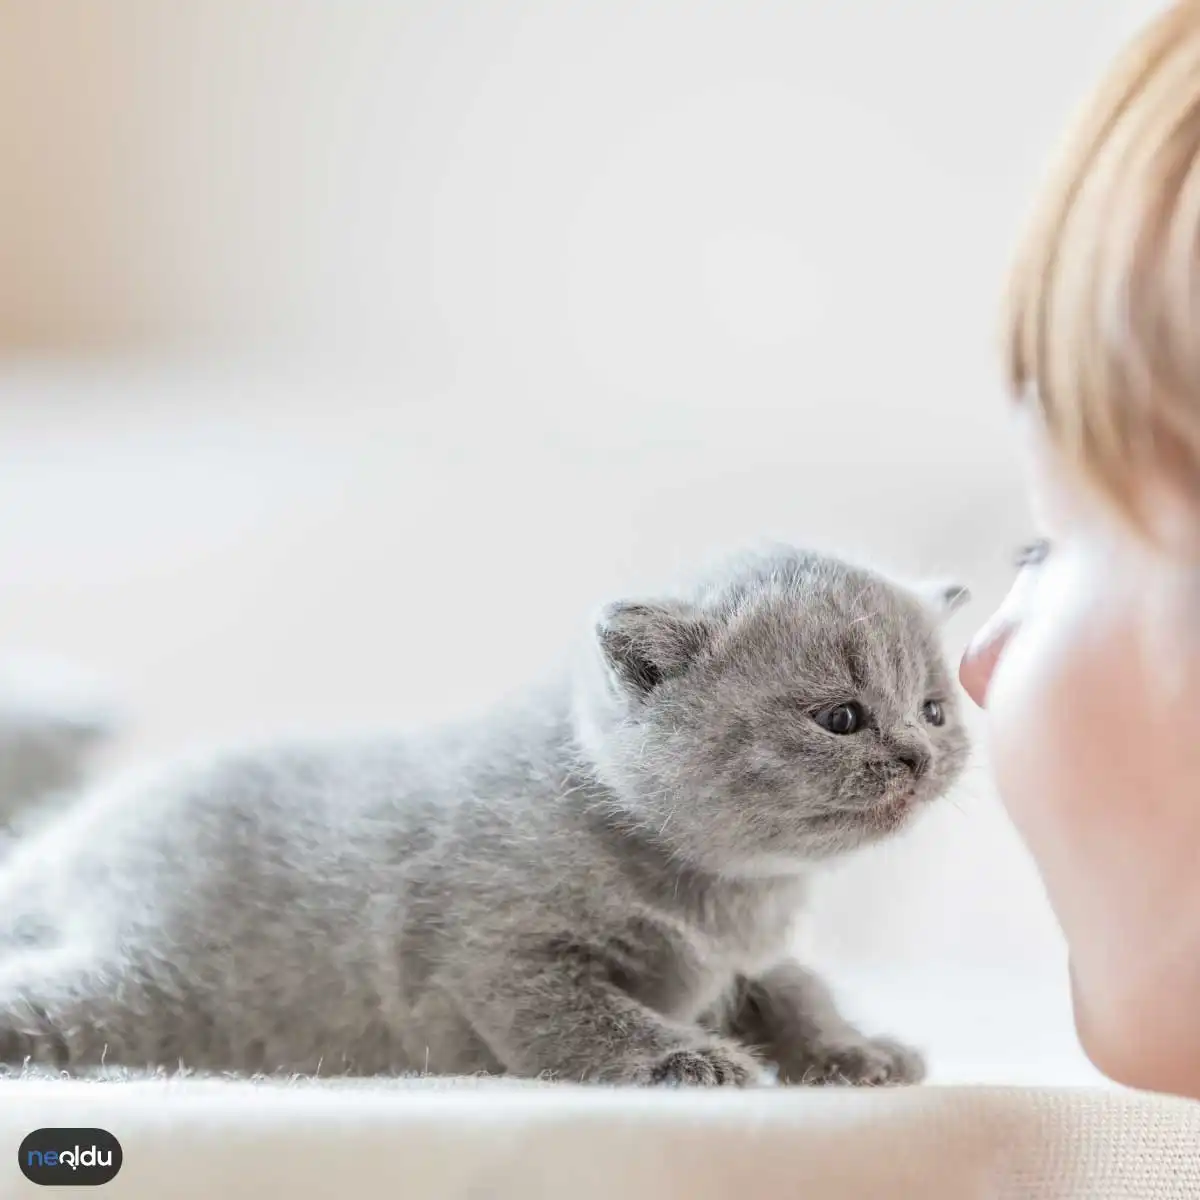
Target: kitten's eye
(933, 712)
(841, 718)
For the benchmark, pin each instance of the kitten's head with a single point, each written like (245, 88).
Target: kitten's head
(790, 708)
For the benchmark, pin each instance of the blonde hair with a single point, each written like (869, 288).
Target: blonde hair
(1102, 314)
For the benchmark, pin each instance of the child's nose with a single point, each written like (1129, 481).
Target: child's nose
(981, 656)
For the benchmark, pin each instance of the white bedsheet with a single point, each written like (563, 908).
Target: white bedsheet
(227, 1141)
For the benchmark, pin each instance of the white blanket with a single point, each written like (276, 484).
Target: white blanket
(474, 1139)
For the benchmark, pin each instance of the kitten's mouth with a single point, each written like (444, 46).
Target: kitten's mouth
(886, 815)
(892, 812)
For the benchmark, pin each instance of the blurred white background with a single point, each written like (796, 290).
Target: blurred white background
(351, 350)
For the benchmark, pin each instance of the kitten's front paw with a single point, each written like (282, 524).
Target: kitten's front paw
(869, 1062)
(699, 1066)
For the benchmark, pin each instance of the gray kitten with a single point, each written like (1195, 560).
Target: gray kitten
(598, 882)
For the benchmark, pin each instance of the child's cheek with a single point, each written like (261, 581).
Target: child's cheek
(1046, 732)
(1078, 758)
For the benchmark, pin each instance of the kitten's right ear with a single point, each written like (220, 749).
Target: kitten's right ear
(645, 643)
(945, 598)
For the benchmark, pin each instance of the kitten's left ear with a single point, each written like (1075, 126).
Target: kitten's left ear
(944, 598)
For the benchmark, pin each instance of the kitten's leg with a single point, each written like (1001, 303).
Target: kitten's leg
(789, 1015)
(568, 1020)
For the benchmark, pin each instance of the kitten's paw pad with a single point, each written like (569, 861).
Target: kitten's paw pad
(706, 1066)
(871, 1062)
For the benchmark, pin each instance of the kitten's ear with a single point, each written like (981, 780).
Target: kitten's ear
(645, 643)
(944, 598)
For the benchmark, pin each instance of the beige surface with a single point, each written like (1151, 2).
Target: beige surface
(424, 1138)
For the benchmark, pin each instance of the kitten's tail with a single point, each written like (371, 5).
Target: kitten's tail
(53, 722)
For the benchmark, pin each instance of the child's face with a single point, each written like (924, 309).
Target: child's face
(1090, 674)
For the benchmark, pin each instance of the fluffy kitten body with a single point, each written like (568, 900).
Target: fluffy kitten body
(599, 882)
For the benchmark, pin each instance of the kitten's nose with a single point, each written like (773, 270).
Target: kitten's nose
(915, 759)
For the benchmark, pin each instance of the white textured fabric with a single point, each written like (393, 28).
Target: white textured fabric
(473, 1139)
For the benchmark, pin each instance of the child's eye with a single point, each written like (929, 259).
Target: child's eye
(1032, 554)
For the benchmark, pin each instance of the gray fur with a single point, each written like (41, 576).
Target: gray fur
(598, 882)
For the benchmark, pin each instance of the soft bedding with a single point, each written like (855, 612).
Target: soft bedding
(184, 1138)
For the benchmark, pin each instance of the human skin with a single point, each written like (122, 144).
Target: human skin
(1090, 676)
